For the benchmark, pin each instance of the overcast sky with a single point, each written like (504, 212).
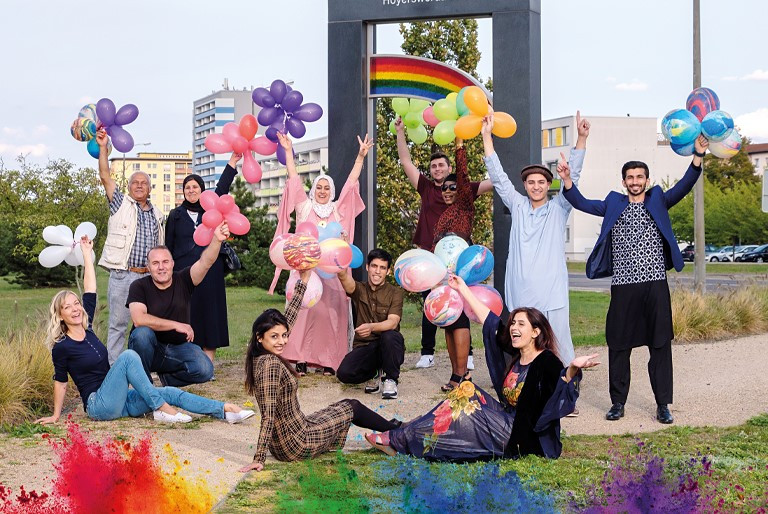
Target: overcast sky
(604, 57)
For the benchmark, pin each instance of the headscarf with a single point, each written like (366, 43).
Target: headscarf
(323, 210)
(194, 207)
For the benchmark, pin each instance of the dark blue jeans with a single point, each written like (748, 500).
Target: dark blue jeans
(176, 364)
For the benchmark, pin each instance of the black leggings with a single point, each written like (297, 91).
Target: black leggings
(364, 417)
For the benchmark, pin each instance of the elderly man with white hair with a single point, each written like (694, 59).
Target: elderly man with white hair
(135, 226)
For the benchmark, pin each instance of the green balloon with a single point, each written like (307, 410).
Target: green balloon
(412, 120)
(443, 133)
(445, 110)
(400, 106)
(392, 128)
(418, 105)
(461, 107)
(418, 135)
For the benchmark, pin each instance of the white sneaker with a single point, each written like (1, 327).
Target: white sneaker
(373, 385)
(426, 361)
(389, 389)
(179, 417)
(237, 417)
(470, 363)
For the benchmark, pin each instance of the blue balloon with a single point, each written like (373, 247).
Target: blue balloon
(324, 274)
(322, 233)
(93, 148)
(334, 228)
(475, 264)
(357, 257)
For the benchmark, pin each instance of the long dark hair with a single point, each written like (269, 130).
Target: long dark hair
(546, 339)
(268, 319)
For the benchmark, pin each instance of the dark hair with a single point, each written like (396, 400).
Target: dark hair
(159, 247)
(450, 178)
(546, 340)
(439, 155)
(268, 319)
(378, 253)
(632, 165)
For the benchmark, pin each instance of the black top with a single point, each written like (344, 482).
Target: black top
(86, 361)
(171, 303)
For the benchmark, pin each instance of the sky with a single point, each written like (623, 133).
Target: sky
(604, 57)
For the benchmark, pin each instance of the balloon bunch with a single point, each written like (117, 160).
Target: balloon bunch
(241, 138)
(113, 121)
(84, 129)
(66, 246)
(217, 209)
(420, 270)
(283, 110)
(415, 114)
(702, 115)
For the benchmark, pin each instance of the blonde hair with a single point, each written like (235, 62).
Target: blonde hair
(57, 329)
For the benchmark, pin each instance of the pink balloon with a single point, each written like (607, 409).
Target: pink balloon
(276, 251)
(311, 295)
(231, 132)
(251, 168)
(208, 200)
(203, 235)
(263, 146)
(212, 218)
(429, 117)
(238, 224)
(488, 296)
(224, 204)
(336, 255)
(307, 228)
(216, 143)
(240, 144)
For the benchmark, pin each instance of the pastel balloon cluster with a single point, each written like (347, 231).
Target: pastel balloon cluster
(217, 209)
(66, 246)
(84, 129)
(321, 249)
(702, 115)
(415, 114)
(283, 110)
(241, 138)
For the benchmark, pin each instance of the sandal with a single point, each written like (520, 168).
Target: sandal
(452, 383)
(381, 442)
(301, 369)
(328, 372)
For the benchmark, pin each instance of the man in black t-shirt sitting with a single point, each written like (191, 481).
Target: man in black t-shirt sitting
(159, 306)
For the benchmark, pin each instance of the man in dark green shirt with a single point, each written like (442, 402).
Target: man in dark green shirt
(378, 343)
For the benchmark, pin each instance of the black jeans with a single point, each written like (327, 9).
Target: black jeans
(386, 353)
(659, 372)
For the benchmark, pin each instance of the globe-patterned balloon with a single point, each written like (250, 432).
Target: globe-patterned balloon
(702, 101)
(93, 148)
(89, 111)
(488, 296)
(728, 147)
(717, 125)
(83, 129)
(684, 150)
(680, 126)
(664, 130)
(443, 306)
(301, 252)
(475, 264)
(419, 270)
(448, 250)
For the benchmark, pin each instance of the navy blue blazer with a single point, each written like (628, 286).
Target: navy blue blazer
(657, 201)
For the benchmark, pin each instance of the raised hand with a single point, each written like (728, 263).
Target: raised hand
(365, 145)
(582, 125)
(234, 159)
(222, 232)
(285, 142)
(399, 125)
(701, 144)
(86, 244)
(487, 128)
(563, 169)
(102, 138)
(456, 282)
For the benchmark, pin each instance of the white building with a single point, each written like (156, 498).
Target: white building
(758, 154)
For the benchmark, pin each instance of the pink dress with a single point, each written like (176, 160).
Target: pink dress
(320, 335)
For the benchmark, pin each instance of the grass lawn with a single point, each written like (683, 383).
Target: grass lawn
(720, 268)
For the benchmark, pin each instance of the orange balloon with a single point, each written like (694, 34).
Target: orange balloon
(476, 101)
(248, 126)
(468, 126)
(504, 125)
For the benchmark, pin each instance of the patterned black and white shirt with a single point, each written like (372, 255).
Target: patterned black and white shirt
(638, 251)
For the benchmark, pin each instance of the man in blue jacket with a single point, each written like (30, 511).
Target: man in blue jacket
(636, 247)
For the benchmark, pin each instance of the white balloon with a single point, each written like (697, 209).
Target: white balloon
(53, 255)
(85, 228)
(71, 257)
(55, 236)
(66, 233)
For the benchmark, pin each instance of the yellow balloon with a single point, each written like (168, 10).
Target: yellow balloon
(451, 97)
(468, 126)
(504, 125)
(476, 101)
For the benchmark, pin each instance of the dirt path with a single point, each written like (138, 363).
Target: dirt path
(721, 383)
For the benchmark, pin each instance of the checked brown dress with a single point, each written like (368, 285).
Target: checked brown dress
(285, 430)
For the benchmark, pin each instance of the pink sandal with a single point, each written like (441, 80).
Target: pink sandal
(381, 442)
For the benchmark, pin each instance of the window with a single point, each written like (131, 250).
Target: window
(167, 207)
(166, 167)
(136, 166)
(557, 136)
(181, 166)
(166, 188)
(167, 177)
(166, 198)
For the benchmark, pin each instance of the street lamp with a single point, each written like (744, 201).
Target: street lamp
(135, 145)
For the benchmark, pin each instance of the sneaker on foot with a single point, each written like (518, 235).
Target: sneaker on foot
(373, 385)
(237, 417)
(470, 363)
(179, 417)
(426, 361)
(389, 389)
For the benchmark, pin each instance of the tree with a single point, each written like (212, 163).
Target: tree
(453, 42)
(727, 173)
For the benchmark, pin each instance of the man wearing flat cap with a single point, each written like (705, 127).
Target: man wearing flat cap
(536, 275)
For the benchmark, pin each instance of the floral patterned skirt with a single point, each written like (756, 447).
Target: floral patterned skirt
(468, 425)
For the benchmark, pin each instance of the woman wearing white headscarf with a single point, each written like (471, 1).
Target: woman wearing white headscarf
(320, 335)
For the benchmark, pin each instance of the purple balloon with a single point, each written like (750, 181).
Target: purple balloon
(121, 139)
(262, 98)
(281, 155)
(295, 127)
(278, 89)
(105, 110)
(268, 115)
(271, 134)
(309, 112)
(126, 114)
(292, 101)
(279, 125)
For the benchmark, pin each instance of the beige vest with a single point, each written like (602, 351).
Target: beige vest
(121, 234)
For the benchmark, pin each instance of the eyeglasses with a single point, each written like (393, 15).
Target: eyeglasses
(447, 187)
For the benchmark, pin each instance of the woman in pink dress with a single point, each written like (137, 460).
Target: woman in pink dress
(320, 335)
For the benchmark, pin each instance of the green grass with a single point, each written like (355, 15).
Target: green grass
(27, 430)
(716, 268)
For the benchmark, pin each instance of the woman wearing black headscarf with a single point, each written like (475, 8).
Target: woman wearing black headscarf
(209, 300)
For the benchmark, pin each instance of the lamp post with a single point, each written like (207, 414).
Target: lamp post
(135, 145)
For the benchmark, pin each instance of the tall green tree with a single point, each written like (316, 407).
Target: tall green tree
(453, 42)
(727, 173)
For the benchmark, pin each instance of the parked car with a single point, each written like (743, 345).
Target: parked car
(688, 251)
(759, 254)
(741, 250)
(725, 254)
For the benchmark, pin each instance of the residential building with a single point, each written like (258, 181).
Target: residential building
(758, 154)
(166, 172)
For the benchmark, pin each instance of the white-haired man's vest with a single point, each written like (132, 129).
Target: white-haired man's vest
(121, 234)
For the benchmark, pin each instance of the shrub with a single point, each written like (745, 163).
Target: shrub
(720, 314)
(25, 375)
